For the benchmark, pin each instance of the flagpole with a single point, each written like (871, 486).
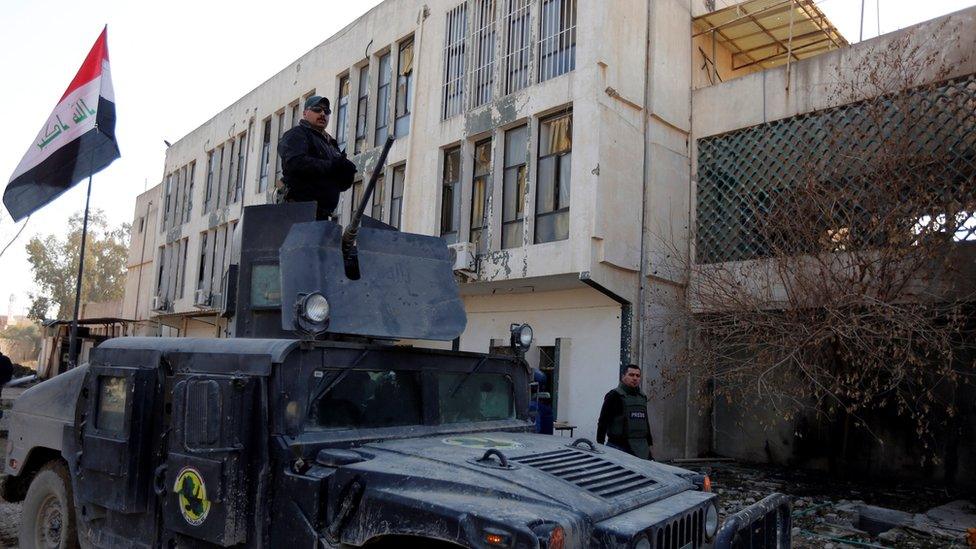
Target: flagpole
(73, 346)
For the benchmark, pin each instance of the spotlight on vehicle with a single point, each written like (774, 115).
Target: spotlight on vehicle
(521, 337)
(711, 521)
(312, 312)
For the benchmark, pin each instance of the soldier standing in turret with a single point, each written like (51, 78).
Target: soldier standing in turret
(623, 418)
(313, 167)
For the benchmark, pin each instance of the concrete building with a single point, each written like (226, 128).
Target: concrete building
(551, 142)
(139, 283)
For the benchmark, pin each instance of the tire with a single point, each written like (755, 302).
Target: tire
(48, 520)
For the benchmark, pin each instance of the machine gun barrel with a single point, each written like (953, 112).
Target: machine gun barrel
(349, 235)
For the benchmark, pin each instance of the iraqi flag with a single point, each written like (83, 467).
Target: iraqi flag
(77, 140)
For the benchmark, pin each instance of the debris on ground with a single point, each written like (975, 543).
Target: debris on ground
(838, 513)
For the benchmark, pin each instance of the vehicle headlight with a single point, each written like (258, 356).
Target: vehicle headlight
(315, 308)
(642, 543)
(711, 521)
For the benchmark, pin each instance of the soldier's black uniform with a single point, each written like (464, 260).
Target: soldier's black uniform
(314, 169)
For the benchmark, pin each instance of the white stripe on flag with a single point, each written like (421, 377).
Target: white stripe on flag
(73, 117)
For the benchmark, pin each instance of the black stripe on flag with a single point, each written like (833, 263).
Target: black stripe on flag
(74, 161)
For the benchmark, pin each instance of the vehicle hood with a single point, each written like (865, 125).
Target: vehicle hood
(543, 471)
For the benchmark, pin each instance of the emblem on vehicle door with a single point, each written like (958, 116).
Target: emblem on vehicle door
(191, 492)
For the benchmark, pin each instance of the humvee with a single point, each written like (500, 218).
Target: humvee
(313, 427)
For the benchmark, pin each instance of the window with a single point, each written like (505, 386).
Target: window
(219, 176)
(557, 38)
(241, 165)
(364, 399)
(479, 192)
(342, 112)
(404, 97)
(112, 399)
(167, 188)
(217, 260)
(182, 275)
(513, 186)
(160, 290)
(265, 157)
(211, 168)
(362, 106)
(281, 130)
(140, 224)
(232, 148)
(189, 191)
(293, 121)
(552, 189)
(184, 197)
(515, 62)
(452, 95)
(265, 285)
(483, 54)
(451, 195)
(378, 196)
(475, 397)
(396, 199)
(383, 100)
(202, 271)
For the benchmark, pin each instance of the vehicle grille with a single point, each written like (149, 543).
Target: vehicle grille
(686, 531)
(596, 475)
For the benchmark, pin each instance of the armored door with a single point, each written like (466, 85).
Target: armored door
(209, 478)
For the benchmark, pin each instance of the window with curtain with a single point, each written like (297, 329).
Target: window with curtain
(404, 94)
(514, 186)
(451, 195)
(342, 112)
(554, 178)
(480, 185)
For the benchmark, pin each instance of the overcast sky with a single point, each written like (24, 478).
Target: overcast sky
(175, 64)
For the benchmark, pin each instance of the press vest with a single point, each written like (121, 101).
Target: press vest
(632, 423)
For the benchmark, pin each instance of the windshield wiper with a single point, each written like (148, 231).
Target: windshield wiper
(327, 384)
(468, 375)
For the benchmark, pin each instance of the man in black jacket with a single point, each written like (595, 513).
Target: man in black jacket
(623, 417)
(314, 169)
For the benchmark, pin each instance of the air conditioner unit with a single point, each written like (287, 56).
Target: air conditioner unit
(464, 255)
(201, 298)
(158, 303)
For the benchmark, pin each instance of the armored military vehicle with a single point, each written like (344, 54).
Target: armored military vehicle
(315, 427)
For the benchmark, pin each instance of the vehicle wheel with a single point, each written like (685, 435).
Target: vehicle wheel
(48, 520)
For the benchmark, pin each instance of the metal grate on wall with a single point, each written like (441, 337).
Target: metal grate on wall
(746, 174)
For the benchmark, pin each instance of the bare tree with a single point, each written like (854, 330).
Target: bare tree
(851, 296)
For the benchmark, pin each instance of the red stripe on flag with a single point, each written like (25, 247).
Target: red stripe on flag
(92, 67)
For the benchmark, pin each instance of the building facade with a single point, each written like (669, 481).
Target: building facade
(552, 143)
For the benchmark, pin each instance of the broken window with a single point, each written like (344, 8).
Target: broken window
(404, 97)
(342, 112)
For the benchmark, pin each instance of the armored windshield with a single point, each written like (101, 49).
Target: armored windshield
(366, 399)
